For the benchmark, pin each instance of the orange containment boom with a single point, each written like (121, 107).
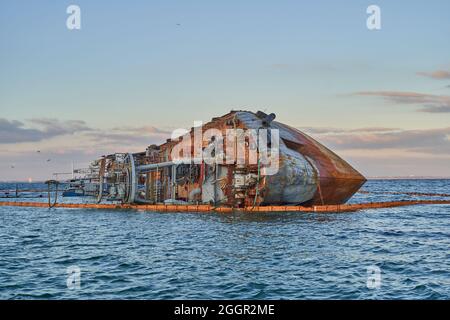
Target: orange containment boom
(209, 208)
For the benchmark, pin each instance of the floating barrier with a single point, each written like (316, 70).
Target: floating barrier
(419, 194)
(208, 208)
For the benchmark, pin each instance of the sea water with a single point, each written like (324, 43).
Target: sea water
(394, 253)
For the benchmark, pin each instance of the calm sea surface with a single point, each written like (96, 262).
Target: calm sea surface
(148, 255)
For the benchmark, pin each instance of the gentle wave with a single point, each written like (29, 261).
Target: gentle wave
(148, 255)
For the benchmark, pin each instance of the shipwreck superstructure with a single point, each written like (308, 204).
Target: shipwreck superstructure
(307, 172)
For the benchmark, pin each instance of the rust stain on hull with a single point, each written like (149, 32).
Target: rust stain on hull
(338, 181)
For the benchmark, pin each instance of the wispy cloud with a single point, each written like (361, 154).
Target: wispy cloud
(121, 139)
(430, 141)
(141, 130)
(438, 74)
(436, 109)
(41, 129)
(13, 131)
(430, 103)
(129, 136)
(333, 130)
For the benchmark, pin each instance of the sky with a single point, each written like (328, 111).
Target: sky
(136, 70)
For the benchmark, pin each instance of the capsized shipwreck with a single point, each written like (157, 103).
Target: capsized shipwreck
(307, 172)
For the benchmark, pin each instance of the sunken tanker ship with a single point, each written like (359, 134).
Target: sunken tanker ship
(307, 172)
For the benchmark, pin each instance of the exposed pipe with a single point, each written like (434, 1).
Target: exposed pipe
(152, 166)
(174, 181)
(132, 179)
(101, 178)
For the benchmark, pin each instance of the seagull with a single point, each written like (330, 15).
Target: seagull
(39, 151)
(48, 160)
(12, 167)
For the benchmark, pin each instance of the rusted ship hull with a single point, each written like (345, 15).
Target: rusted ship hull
(337, 180)
(307, 172)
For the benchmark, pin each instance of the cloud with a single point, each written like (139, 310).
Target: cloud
(430, 103)
(16, 131)
(328, 130)
(130, 136)
(142, 130)
(435, 109)
(430, 141)
(41, 129)
(125, 139)
(58, 127)
(438, 74)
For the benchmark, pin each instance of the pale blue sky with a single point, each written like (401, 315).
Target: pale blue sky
(165, 64)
